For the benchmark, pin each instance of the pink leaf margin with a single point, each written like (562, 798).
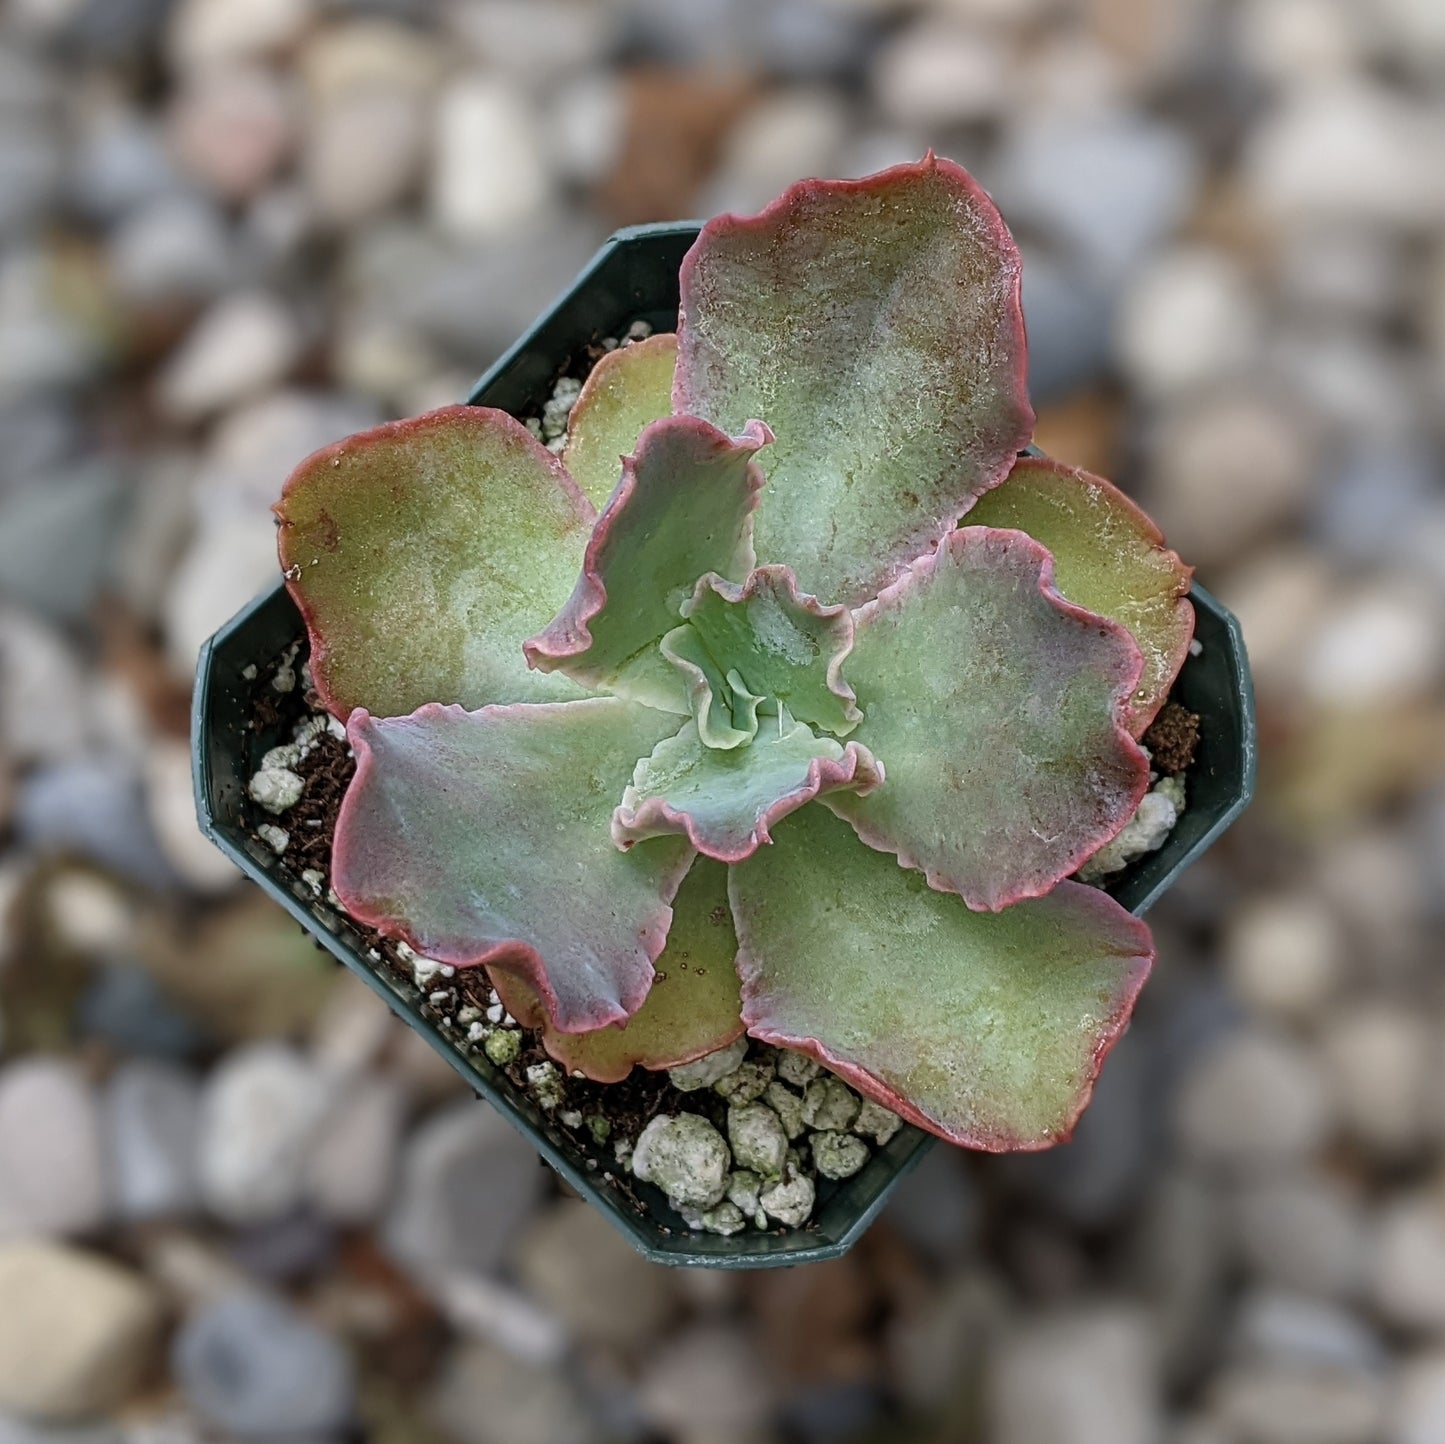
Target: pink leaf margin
(1127, 680)
(510, 953)
(569, 633)
(857, 771)
(1142, 963)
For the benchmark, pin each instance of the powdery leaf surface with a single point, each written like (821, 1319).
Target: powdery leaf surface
(725, 801)
(781, 644)
(482, 837)
(996, 708)
(875, 325)
(694, 1007)
(424, 553)
(625, 391)
(985, 1028)
(684, 506)
(1109, 558)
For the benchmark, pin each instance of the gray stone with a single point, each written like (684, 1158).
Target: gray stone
(52, 1178)
(129, 1010)
(243, 346)
(1418, 1412)
(43, 712)
(468, 1182)
(1303, 1231)
(936, 73)
(255, 1368)
(120, 166)
(56, 540)
(1277, 1405)
(747, 1083)
(485, 1396)
(151, 1114)
(757, 1138)
(789, 1200)
(707, 1382)
(352, 1166)
(837, 1155)
(30, 175)
(577, 1265)
(710, 1069)
(262, 1113)
(828, 1102)
(1284, 954)
(364, 152)
(1291, 1329)
(684, 1156)
(1110, 185)
(1085, 1377)
(1253, 1099)
(1381, 1060)
(1408, 1269)
(176, 250)
(297, 1246)
(77, 1333)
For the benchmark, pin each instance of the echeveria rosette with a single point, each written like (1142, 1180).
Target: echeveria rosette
(773, 621)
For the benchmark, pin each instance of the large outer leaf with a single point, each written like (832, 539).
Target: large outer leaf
(876, 325)
(424, 553)
(781, 644)
(684, 506)
(482, 837)
(694, 1007)
(724, 802)
(986, 1028)
(997, 708)
(1108, 557)
(627, 390)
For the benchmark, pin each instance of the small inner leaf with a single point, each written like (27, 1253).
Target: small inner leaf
(694, 1006)
(724, 800)
(726, 716)
(684, 506)
(1108, 557)
(782, 645)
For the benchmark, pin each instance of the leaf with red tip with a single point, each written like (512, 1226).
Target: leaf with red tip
(997, 708)
(781, 644)
(424, 553)
(482, 837)
(988, 1029)
(625, 391)
(684, 506)
(694, 1007)
(1109, 558)
(725, 801)
(876, 325)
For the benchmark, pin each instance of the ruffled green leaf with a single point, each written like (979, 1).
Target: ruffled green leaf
(694, 1007)
(725, 711)
(876, 325)
(684, 506)
(424, 553)
(625, 391)
(782, 645)
(482, 837)
(1109, 558)
(997, 708)
(985, 1028)
(725, 801)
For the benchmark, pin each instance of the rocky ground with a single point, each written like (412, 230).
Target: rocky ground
(235, 1201)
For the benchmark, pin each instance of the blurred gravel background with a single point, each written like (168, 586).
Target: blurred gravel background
(236, 1202)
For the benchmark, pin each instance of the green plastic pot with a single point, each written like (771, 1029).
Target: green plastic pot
(635, 276)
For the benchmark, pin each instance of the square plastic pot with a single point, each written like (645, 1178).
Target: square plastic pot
(635, 276)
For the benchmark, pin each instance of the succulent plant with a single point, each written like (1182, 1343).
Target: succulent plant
(797, 719)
